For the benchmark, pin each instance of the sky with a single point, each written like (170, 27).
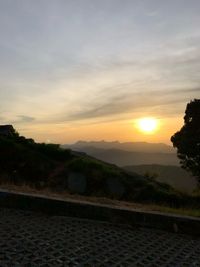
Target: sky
(89, 69)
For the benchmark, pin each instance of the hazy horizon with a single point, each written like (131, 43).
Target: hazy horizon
(114, 141)
(88, 70)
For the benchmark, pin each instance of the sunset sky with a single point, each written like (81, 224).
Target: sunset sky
(89, 69)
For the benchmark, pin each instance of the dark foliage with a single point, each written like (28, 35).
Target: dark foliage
(24, 161)
(187, 140)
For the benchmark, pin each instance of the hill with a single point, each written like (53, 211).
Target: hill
(127, 146)
(142, 158)
(39, 165)
(123, 157)
(173, 175)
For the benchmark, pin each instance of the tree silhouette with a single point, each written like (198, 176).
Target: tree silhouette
(187, 140)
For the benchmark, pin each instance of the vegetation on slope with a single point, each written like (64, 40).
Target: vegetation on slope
(39, 165)
(172, 175)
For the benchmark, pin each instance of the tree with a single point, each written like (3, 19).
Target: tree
(187, 140)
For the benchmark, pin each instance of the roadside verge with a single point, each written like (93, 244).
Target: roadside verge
(101, 212)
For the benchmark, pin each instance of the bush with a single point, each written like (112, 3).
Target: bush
(53, 151)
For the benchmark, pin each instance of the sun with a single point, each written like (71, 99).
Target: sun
(147, 125)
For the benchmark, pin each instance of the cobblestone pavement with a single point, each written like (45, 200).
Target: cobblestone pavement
(32, 239)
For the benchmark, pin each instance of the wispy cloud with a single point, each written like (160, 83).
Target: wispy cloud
(66, 61)
(23, 119)
(161, 103)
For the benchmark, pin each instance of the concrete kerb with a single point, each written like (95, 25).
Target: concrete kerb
(101, 212)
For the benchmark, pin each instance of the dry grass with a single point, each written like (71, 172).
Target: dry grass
(99, 200)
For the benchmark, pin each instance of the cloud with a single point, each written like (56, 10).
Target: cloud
(100, 64)
(160, 103)
(23, 119)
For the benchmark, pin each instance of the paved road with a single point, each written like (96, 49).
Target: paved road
(32, 239)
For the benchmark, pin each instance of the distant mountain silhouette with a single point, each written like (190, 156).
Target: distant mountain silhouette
(141, 157)
(173, 175)
(47, 166)
(123, 154)
(128, 146)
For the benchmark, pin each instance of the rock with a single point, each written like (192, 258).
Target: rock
(115, 187)
(77, 182)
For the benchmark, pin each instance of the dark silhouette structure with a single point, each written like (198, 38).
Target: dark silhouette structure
(187, 140)
(7, 130)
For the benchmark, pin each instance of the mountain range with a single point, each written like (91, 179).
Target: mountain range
(134, 153)
(140, 157)
(127, 146)
(43, 166)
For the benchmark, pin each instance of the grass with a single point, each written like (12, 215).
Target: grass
(101, 200)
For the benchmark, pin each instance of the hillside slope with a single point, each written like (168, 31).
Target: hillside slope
(173, 175)
(22, 161)
(123, 158)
